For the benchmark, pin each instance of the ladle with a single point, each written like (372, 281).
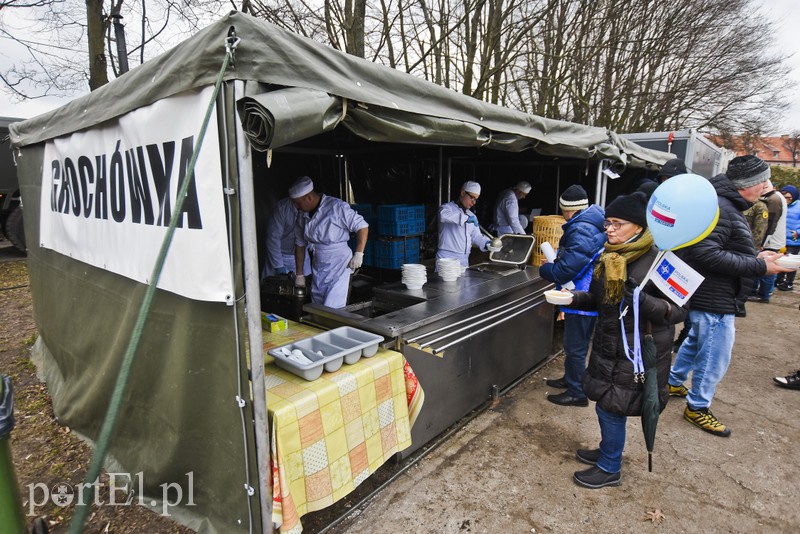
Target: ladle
(496, 241)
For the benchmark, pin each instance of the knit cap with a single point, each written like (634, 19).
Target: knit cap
(631, 208)
(573, 199)
(673, 167)
(747, 171)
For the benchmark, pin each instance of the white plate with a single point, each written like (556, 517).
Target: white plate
(554, 296)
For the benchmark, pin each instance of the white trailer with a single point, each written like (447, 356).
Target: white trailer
(700, 155)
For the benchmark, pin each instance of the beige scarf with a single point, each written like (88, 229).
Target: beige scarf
(614, 260)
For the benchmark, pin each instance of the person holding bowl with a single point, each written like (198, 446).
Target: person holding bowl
(609, 379)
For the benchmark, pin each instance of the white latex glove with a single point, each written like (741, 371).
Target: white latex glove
(356, 261)
(490, 248)
(300, 280)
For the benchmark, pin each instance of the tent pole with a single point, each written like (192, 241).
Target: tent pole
(253, 308)
(599, 194)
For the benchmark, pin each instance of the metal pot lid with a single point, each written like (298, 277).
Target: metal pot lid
(516, 249)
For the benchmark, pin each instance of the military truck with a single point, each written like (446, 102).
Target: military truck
(10, 201)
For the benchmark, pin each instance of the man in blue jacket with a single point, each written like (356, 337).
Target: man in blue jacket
(579, 246)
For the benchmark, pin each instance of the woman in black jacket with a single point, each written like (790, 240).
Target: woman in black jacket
(609, 379)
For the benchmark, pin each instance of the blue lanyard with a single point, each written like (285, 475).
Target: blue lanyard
(635, 356)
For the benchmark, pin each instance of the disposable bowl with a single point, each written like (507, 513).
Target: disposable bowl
(554, 296)
(789, 262)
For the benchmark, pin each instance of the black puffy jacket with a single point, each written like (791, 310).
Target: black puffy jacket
(609, 376)
(726, 257)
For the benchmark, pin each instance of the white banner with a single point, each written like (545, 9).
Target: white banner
(108, 196)
(675, 278)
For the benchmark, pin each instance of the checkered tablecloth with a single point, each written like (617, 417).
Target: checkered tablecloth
(327, 436)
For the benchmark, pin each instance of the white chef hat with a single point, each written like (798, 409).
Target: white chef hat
(523, 187)
(301, 187)
(472, 187)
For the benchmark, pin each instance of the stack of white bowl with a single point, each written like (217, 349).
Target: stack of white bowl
(449, 269)
(414, 275)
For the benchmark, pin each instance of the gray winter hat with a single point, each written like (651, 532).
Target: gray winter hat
(747, 171)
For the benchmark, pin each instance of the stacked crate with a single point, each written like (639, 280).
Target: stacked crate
(400, 227)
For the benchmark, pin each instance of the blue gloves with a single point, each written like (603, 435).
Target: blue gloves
(281, 270)
(472, 219)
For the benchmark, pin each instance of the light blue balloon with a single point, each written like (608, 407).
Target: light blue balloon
(682, 211)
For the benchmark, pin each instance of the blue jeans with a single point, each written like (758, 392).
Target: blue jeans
(764, 286)
(577, 336)
(612, 440)
(706, 353)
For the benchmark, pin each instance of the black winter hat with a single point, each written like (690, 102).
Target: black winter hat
(631, 208)
(647, 187)
(747, 171)
(573, 198)
(673, 167)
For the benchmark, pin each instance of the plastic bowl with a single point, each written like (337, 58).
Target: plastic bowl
(554, 296)
(789, 262)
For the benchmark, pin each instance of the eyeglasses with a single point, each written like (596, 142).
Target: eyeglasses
(474, 198)
(614, 224)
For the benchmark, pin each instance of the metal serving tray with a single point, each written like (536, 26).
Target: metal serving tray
(327, 351)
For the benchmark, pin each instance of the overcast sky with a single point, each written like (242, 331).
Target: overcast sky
(786, 13)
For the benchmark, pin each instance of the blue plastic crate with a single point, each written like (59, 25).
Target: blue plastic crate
(401, 212)
(397, 247)
(401, 228)
(393, 253)
(395, 262)
(364, 209)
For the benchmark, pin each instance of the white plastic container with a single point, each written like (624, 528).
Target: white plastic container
(327, 351)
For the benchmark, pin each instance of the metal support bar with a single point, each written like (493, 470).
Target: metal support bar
(484, 329)
(473, 323)
(253, 310)
(471, 319)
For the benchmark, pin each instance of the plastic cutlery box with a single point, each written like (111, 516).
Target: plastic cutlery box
(327, 351)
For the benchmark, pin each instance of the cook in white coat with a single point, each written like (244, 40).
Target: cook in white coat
(458, 226)
(280, 241)
(506, 209)
(325, 223)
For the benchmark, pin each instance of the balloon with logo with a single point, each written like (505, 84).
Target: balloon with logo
(682, 211)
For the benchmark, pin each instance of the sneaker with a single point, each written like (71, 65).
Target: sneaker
(703, 418)
(588, 456)
(791, 381)
(595, 478)
(677, 391)
(756, 298)
(785, 287)
(560, 383)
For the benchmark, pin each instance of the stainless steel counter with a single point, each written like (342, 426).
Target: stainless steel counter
(464, 339)
(437, 300)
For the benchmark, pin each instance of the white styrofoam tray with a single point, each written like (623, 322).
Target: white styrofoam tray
(327, 351)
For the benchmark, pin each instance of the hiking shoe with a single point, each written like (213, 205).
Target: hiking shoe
(588, 456)
(560, 383)
(703, 418)
(595, 478)
(791, 381)
(677, 391)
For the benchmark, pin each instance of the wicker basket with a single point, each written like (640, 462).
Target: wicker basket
(546, 228)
